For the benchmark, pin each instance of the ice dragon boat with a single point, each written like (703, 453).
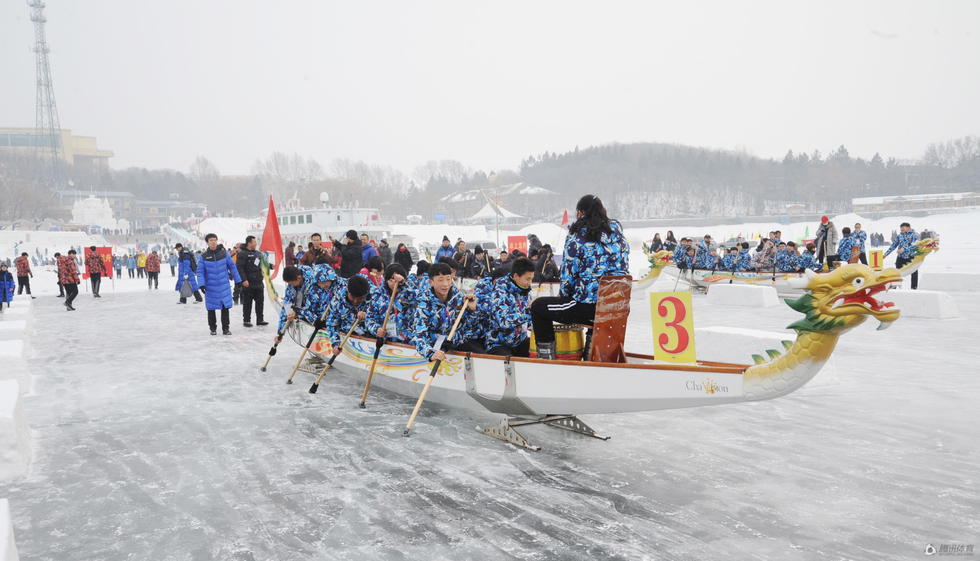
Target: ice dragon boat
(784, 283)
(530, 391)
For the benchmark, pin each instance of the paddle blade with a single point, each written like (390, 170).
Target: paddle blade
(405, 432)
(362, 406)
(262, 369)
(314, 387)
(272, 351)
(289, 381)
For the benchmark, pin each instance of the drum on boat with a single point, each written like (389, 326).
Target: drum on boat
(569, 342)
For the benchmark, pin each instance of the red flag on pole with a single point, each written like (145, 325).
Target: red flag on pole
(271, 240)
(564, 218)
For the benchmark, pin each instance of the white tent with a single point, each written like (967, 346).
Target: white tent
(490, 211)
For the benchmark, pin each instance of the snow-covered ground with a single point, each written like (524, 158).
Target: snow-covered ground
(154, 440)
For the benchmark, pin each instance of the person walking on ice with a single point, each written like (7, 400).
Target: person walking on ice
(212, 276)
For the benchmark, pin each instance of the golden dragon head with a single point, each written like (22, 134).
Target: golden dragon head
(844, 298)
(659, 259)
(925, 247)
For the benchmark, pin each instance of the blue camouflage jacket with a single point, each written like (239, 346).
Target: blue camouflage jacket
(809, 261)
(787, 261)
(315, 299)
(508, 313)
(341, 314)
(860, 237)
(585, 262)
(729, 262)
(906, 242)
(744, 260)
(433, 317)
(679, 253)
(844, 248)
(706, 261)
(397, 327)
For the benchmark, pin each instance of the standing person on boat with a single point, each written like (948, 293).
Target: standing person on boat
(546, 270)
(95, 268)
(826, 241)
(351, 255)
(249, 264)
(384, 252)
(445, 250)
(845, 245)
(403, 257)
(68, 277)
(905, 244)
(311, 254)
(348, 304)
(595, 247)
(153, 271)
(466, 260)
(508, 312)
(397, 328)
(860, 239)
(186, 272)
(435, 313)
(212, 276)
(24, 274)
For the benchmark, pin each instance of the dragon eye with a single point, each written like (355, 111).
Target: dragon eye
(858, 281)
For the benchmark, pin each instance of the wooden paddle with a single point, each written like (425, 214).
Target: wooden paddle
(309, 344)
(316, 384)
(432, 374)
(272, 351)
(377, 349)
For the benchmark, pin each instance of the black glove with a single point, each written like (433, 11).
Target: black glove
(203, 290)
(320, 323)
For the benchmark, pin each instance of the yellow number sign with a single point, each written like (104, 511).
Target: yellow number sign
(673, 326)
(876, 258)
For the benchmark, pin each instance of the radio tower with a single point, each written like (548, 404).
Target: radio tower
(48, 134)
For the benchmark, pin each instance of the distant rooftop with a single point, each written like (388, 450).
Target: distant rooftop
(916, 198)
(101, 194)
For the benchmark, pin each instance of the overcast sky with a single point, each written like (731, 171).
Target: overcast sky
(488, 83)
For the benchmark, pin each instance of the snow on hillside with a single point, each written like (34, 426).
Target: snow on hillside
(229, 230)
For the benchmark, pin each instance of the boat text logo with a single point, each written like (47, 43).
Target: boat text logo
(708, 386)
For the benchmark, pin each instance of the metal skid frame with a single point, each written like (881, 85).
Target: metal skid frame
(518, 412)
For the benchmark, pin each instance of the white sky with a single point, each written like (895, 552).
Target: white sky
(487, 83)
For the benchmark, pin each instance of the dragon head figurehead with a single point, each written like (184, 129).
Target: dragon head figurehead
(844, 298)
(659, 259)
(923, 248)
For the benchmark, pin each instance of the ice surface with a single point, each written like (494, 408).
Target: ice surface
(156, 441)
(928, 304)
(8, 549)
(744, 295)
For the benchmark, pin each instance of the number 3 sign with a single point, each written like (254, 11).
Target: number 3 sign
(673, 326)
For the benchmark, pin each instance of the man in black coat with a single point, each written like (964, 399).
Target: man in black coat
(350, 255)
(249, 265)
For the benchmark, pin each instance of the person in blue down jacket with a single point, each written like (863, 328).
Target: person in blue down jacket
(730, 261)
(347, 305)
(6, 286)
(509, 311)
(212, 276)
(905, 244)
(595, 247)
(436, 310)
(809, 259)
(187, 272)
(172, 261)
(131, 265)
(395, 329)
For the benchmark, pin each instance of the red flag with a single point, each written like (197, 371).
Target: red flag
(271, 240)
(564, 218)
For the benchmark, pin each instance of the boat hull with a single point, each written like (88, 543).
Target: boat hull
(537, 387)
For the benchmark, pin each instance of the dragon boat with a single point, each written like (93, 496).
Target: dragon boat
(784, 283)
(531, 391)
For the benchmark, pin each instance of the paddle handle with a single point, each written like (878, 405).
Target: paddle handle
(377, 349)
(432, 374)
(343, 342)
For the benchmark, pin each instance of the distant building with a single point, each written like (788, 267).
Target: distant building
(79, 151)
(121, 202)
(930, 201)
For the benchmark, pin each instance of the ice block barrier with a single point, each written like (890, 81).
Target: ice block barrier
(738, 344)
(15, 437)
(744, 295)
(8, 549)
(955, 282)
(927, 304)
(11, 349)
